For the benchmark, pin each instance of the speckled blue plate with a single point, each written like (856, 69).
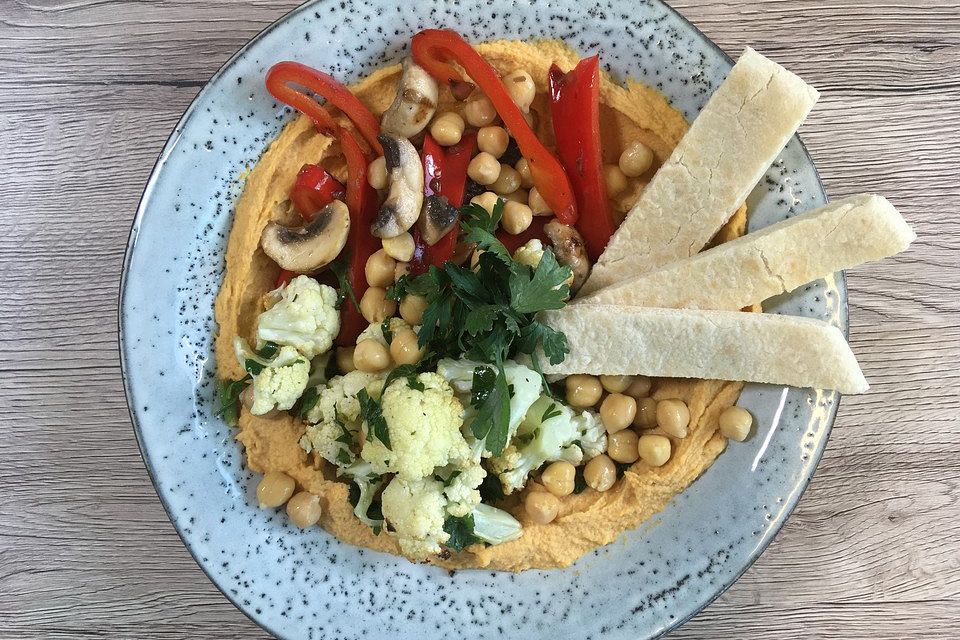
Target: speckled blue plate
(310, 585)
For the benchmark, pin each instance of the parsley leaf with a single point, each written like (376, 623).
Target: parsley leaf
(491, 397)
(228, 396)
(307, 402)
(408, 371)
(552, 412)
(386, 330)
(461, 532)
(398, 289)
(546, 288)
(372, 413)
(579, 482)
(339, 269)
(491, 489)
(553, 342)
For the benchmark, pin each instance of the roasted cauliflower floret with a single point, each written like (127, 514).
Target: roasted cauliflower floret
(462, 490)
(415, 510)
(334, 420)
(280, 384)
(305, 317)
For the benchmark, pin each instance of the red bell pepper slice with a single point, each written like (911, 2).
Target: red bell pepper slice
(363, 205)
(283, 74)
(575, 110)
(314, 189)
(432, 49)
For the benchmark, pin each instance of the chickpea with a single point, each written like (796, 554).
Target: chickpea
(583, 390)
(274, 489)
(412, 308)
(646, 417)
(480, 112)
(735, 423)
(484, 168)
(617, 411)
(636, 160)
(673, 416)
(375, 306)
(559, 478)
(517, 218)
(520, 195)
(616, 180)
(303, 509)
(402, 269)
(521, 88)
(345, 359)
(640, 387)
(622, 446)
(404, 348)
(541, 506)
(447, 129)
(493, 140)
(487, 200)
(400, 247)
(377, 173)
(523, 168)
(507, 182)
(370, 356)
(616, 384)
(654, 449)
(600, 473)
(538, 204)
(379, 269)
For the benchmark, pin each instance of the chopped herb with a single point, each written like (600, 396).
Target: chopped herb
(552, 412)
(579, 482)
(461, 532)
(373, 415)
(386, 330)
(622, 468)
(408, 371)
(398, 289)
(339, 269)
(491, 397)
(307, 402)
(491, 489)
(228, 395)
(344, 457)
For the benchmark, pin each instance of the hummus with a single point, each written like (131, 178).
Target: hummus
(588, 520)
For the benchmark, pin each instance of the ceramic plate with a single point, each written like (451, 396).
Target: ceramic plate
(310, 585)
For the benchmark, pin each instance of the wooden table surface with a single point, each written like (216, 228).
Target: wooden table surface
(89, 91)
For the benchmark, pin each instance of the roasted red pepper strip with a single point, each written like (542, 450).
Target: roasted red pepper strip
(283, 74)
(314, 189)
(433, 48)
(575, 109)
(363, 205)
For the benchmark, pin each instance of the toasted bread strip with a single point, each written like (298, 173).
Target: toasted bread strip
(774, 260)
(728, 148)
(710, 345)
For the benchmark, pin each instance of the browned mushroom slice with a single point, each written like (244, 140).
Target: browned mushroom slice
(437, 219)
(414, 104)
(570, 250)
(401, 209)
(312, 246)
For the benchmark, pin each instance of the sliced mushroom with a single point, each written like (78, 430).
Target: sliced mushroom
(415, 103)
(437, 219)
(401, 209)
(570, 250)
(312, 246)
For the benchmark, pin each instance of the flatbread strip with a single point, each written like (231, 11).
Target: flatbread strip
(730, 145)
(709, 345)
(774, 260)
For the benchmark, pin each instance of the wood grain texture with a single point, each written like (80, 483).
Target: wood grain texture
(873, 551)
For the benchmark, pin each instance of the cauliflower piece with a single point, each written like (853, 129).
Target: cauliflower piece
(281, 383)
(495, 526)
(424, 428)
(375, 331)
(415, 508)
(334, 421)
(462, 490)
(368, 483)
(550, 431)
(305, 317)
(530, 253)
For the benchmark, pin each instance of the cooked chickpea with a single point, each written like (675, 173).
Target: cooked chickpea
(617, 411)
(583, 390)
(521, 88)
(274, 489)
(487, 200)
(412, 308)
(379, 269)
(484, 169)
(622, 446)
(370, 356)
(600, 473)
(493, 140)
(447, 129)
(375, 306)
(404, 348)
(654, 449)
(646, 417)
(377, 173)
(517, 218)
(636, 160)
(640, 387)
(735, 423)
(480, 112)
(538, 204)
(616, 180)
(616, 384)
(303, 509)
(559, 478)
(345, 359)
(400, 247)
(532, 118)
(507, 182)
(523, 168)
(402, 269)
(520, 195)
(541, 506)
(673, 416)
